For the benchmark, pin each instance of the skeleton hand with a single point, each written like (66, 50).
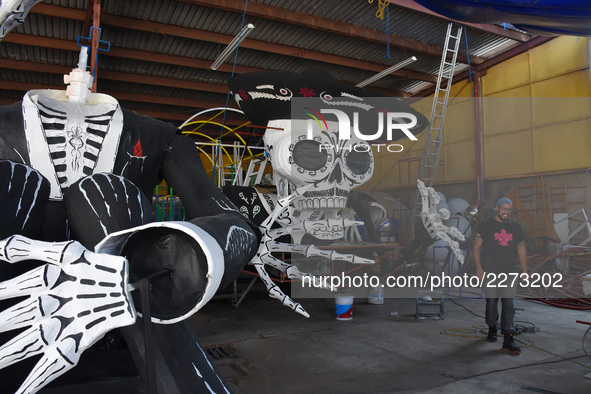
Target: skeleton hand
(269, 245)
(73, 300)
(13, 13)
(432, 220)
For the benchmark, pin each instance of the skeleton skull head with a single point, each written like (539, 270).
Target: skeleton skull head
(305, 148)
(333, 167)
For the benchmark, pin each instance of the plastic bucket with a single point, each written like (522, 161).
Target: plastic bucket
(344, 306)
(375, 295)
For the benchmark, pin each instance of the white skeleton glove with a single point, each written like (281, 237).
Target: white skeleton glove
(433, 220)
(73, 301)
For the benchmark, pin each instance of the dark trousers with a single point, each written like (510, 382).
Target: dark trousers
(505, 294)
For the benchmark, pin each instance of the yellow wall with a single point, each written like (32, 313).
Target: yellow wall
(536, 110)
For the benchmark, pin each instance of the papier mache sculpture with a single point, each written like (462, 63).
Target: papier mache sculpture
(314, 167)
(76, 168)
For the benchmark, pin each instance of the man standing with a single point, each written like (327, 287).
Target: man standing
(503, 246)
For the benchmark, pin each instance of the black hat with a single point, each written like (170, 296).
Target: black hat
(268, 95)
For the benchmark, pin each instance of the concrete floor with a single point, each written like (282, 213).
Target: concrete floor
(271, 349)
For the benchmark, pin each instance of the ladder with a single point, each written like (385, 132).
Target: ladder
(229, 174)
(225, 175)
(430, 158)
(255, 171)
(238, 152)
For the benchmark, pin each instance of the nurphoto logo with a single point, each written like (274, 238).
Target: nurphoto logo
(355, 124)
(393, 122)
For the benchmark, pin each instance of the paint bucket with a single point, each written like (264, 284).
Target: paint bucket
(344, 306)
(375, 295)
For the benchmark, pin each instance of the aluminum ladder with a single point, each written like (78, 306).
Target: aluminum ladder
(229, 174)
(255, 171)
(430, 158)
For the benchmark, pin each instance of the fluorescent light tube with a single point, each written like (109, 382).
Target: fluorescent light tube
(387, 71)
(232, 46)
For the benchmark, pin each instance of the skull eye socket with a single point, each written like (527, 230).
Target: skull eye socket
(358, 162)
(308, 155)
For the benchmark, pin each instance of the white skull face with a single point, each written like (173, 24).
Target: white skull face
(332, 166)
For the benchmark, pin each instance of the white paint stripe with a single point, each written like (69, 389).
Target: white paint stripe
(35, 199)
(89, 203)
(197, 370)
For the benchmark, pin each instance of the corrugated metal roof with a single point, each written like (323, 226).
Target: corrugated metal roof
(280, 41)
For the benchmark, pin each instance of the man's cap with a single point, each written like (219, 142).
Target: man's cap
(503, 200)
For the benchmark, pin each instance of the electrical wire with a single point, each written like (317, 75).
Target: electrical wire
(228, 95)
(387, 33)
(477, 331)
(568, 296)
(571, 359)
(521, 329)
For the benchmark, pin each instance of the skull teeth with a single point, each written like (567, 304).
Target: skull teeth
(332, 198)
(335, 191)
(319, 203)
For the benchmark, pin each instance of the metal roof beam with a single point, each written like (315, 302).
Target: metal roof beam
(115, 76)
(225, 39)
(493, 29)
(54, 43)
(324, 24)
(201, 35)
(67, 45)
(174, 101)
(143, 98)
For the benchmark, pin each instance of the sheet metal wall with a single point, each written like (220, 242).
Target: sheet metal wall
(536, 120)
(549, 130)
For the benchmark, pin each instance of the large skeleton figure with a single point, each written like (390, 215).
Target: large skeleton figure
(432, 219)
(314, 169)
(75, 165)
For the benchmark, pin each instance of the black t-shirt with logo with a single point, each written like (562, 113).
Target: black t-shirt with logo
(499, 245)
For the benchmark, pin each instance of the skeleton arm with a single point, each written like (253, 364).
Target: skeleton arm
(432, 220)
(73, 300)
(268, 245)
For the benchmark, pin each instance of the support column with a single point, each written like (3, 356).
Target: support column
(96, 23)
(477, 94)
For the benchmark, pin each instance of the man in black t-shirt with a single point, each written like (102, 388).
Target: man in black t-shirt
(503, 248)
